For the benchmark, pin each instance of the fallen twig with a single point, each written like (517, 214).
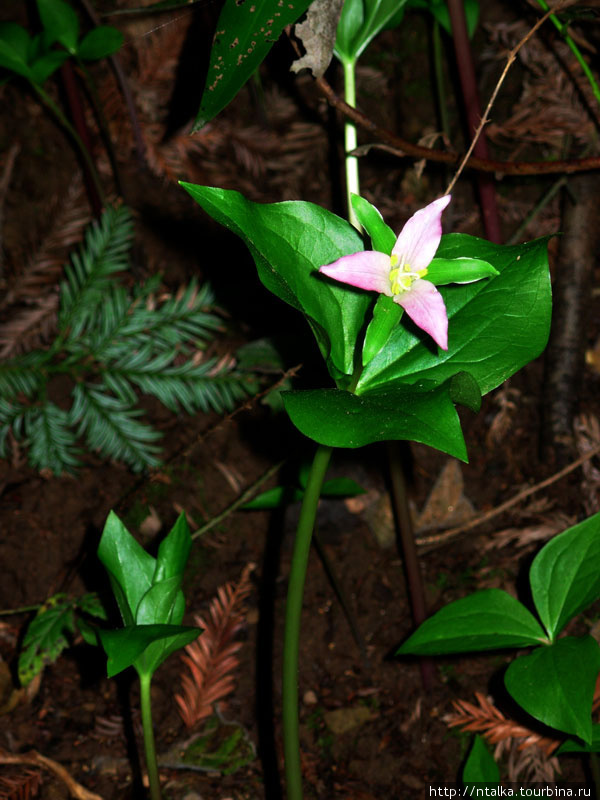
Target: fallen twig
(440, 538)
(33, 757)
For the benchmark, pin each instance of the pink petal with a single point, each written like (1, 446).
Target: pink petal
(420, 237)
(425, 306)
(367, 270)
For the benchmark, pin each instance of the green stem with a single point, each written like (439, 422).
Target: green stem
(351, 141)
(563, 30)
(49, 102)
(149, 746)
(293, 612)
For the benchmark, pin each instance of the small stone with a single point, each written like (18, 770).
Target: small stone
(310, 698)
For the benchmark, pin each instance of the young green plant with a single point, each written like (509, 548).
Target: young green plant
(555, 681)
(149, 596)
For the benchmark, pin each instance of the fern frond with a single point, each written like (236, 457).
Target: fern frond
(190, 386)
(51, 442)
(11, 418)
(111, 428)
(181, 318)
(211, 658)
(103, 253)
(23, 375)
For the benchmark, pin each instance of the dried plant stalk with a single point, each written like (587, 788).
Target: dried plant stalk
(211, 658)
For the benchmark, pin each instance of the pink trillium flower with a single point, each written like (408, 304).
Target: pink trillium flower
(401, 274)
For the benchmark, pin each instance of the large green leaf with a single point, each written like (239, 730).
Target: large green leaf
(129, 566)
(417, 413)
(555, 684)
(289, 242)
(564, 575)
(487, 620)
(496, 325)
(246, 31)
(127, 646)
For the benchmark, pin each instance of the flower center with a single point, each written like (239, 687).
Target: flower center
(402, 277)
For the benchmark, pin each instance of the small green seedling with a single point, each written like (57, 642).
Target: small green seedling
(150, 599)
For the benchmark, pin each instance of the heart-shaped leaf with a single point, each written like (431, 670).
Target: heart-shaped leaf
(487, 620)
(564, 575)
(14, 48)
(555, 684)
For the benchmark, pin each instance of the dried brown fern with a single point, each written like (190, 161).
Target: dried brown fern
(22, 784)
(211, 658)
(529, 754)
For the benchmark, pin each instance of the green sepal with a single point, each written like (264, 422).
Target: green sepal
(386, 315)
(459, 270)
(555, 684)
(382, 236)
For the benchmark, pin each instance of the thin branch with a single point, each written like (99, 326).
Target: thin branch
(485, 118)
(391, 143)
(33, 757)
(440, 538)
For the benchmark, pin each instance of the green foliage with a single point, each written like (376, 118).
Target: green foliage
(480, 769)
(113, 344)
(52, 630)
(246, 31)
(148, 592)
(407, 389)
(555, 682)
(35, 57)
(361, 21)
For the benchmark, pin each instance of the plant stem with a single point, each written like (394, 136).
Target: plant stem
(563, 30)
(293, 612)
(149, 746)
(49, 102)
(351, 141)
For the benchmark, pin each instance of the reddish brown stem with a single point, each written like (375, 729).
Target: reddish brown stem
(77, 115)
(468, 82)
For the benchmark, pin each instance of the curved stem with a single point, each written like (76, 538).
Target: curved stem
(149, 746)
(49, 102)
(293, 612)
(351, 141)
